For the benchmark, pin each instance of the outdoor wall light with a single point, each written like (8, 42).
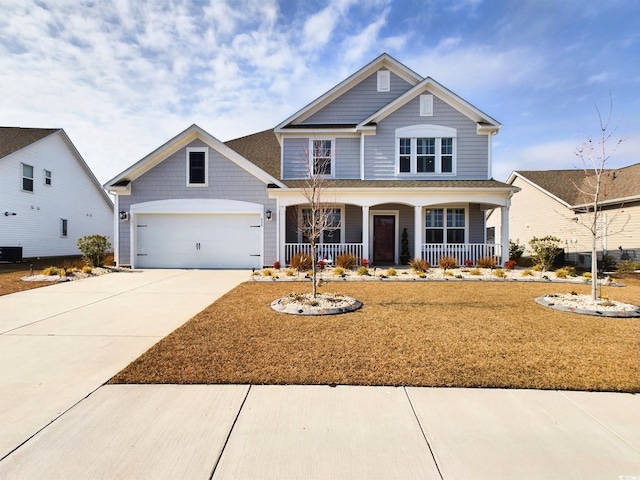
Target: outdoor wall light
(6, 214)
(123, 215)
(268, 215)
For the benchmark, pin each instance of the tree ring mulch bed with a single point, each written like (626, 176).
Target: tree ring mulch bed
(555, 302)
(322, 304)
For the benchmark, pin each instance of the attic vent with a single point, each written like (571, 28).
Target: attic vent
(384, 80)
(426, 105)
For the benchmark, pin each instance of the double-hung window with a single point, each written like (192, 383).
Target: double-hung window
(27, 177)
(327, 220)
(197, 166)
(425, 150)
(47, 177)
(321, 157)
(445, 225)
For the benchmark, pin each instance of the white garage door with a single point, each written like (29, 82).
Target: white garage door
(198, 241)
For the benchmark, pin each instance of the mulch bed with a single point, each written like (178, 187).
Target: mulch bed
(445, 334)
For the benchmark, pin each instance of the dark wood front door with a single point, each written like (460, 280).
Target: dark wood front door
(384, 239)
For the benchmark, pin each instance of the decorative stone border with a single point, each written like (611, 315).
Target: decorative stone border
(297, 309)
(584, 311)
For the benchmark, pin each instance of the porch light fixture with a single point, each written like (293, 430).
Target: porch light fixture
(123, 215)
(268, 215)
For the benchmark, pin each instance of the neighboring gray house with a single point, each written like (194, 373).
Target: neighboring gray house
(403, 152)
(48, 195)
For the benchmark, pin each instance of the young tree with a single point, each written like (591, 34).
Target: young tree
(596, 183)
(317, 215)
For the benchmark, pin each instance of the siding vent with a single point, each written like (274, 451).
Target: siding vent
(384, 80)
(426, 105)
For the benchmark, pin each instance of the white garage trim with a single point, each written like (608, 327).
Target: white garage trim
(200, 206)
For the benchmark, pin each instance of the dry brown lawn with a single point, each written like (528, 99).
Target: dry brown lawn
(463, 334)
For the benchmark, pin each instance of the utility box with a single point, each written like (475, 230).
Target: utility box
(11, 254)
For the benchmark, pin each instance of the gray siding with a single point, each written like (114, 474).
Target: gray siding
(227, 180)
(471, 148)
(347, 158)
(476, 224)
(359, 102)
(295, 154)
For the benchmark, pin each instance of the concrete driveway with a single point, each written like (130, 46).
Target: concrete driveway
(58, 420)
(60, 343)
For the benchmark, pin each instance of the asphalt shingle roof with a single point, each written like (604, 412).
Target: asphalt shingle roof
(569, 185)
(13, 139)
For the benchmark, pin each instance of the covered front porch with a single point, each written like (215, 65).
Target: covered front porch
(391, 226)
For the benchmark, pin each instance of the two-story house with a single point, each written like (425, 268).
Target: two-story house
(48, 195)
(398, 152)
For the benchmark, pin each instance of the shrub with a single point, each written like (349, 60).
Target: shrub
(338, 271)
(276, 265)
(586, 276)
(87, 269)
(500, 273)
(487, 262)
(562, 273)
(364, 262)
(94, 249)
(51, 271)
(515, 250)
(448, 274)
(420, 265)
(475, 272)
(447, 261)
(468, 263)
(510, 264)
(391, 272)
(266, 272)
(346, 260)
(536, 268)
(527, 273)
(545, 250)
(607, 263)
(363, 271)
(301, 261)
(290, 272)
(628, 266)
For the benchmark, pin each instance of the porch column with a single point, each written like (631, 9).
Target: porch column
(504, 233)
(417, 232)
(365, 232)
(281, 218)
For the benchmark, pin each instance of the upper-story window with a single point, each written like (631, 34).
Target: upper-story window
(27, 178)
(425, 149)
(321, 157)
(197, 166)
(47, 177)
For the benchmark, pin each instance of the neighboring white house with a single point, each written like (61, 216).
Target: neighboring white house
(399, 152)
(553, 202)
(48, 195)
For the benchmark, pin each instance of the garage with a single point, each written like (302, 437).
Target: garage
(203, 234)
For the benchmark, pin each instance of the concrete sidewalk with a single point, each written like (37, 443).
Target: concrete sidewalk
(60, 343)
(58, 420)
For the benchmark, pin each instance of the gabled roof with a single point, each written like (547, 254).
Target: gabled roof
(123, 180)
(13, 139)
(383, 61)
(484, 121)
(618, 185)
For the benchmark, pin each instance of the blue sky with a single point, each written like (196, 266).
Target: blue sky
(124, 76)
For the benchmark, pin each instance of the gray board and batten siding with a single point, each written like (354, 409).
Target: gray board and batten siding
(226, 180)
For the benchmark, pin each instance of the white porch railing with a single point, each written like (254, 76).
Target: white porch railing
(325, 250)
(462, 252)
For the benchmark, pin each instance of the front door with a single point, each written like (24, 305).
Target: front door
(384, 239)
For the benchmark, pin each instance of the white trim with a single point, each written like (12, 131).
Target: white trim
(445, 207)
(426, 105)
(396, 214)
(332, 166)
(204, 150)
(116, 229)
(23, 177)
(413, 132)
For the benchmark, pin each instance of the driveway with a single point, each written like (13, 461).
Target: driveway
(60, 343)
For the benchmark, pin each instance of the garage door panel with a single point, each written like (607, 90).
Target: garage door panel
(198, 241)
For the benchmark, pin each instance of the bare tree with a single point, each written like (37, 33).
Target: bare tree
(317, 215)
(596, 185)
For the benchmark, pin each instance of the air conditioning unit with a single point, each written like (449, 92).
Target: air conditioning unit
(583, 260)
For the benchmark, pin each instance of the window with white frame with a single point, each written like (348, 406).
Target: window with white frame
(64, 225)
(197, 166)
(321, 156)
(47, 177)
(27, 178)
(445, 225)
(426, 150)
(332, 220)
